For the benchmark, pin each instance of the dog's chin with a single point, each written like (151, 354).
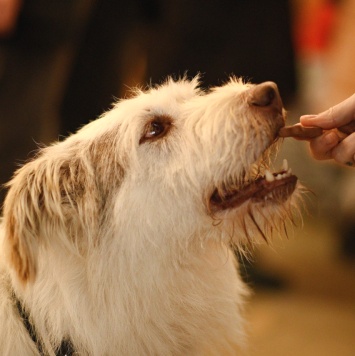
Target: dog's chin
(263, 188)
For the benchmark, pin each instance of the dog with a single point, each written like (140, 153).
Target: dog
(120, 239)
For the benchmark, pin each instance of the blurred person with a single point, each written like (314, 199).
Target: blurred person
(339, 83)
(314, 23)
(9, 10)
(339, 78)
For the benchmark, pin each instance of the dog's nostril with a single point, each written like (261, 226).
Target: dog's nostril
(263, 94)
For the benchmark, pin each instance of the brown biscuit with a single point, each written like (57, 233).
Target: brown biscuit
(348, 128)
(299, 131)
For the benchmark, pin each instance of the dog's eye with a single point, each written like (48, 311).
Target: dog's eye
(156, 129)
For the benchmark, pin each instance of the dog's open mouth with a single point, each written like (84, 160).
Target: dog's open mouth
(268, 188)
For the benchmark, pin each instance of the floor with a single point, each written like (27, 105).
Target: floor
(315, 313)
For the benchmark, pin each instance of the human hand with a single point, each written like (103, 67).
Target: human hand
(333, 144)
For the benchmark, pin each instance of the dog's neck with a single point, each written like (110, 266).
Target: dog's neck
(81, 301)
(65, 348)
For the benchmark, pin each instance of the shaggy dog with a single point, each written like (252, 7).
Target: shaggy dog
(119, 240)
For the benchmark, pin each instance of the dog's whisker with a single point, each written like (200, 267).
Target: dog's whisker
(261, 232)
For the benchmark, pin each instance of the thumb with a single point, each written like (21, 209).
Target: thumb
(336, 116)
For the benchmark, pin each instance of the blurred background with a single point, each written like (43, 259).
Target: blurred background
(63, 62)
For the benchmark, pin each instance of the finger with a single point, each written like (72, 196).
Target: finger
(336, 116)
(322, 146)
(344, 152)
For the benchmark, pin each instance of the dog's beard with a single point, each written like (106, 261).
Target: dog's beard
(260, 187)
(256, 203)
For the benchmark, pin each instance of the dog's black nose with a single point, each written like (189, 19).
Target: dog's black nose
(264, 95)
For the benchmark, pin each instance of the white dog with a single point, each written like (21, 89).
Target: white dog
(117, 241)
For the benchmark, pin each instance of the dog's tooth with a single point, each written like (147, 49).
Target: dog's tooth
(278, 177)
(269, 176)
(285, 164)
(289, 172)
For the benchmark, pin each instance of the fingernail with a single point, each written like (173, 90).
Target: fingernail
(307, 118)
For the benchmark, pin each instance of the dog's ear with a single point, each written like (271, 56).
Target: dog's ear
(21, 214)
(50, 202)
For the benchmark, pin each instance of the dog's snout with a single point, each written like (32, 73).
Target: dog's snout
(265, 95)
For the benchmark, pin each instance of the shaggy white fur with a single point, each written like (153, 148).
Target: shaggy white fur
(119, 238)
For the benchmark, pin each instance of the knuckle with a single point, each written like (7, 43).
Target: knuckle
(331, 116)
(318, 149)
(339, 155)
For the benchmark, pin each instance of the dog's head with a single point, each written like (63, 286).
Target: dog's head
(169, 162)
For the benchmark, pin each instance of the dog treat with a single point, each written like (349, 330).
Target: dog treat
(299, 131)
(348, 128)
(303, 132)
